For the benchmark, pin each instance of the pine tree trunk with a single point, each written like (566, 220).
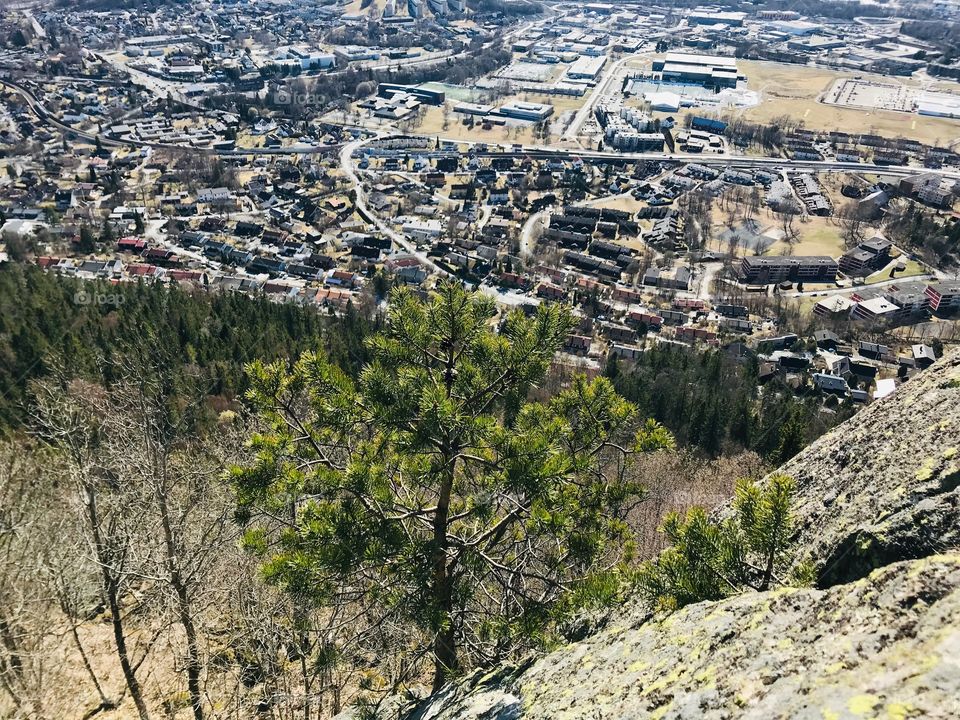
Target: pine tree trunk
(445, 646)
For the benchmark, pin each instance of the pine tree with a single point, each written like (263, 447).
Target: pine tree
(432, 490)
(106, 233)
(87, 242)
(711, 560)
(792, 438)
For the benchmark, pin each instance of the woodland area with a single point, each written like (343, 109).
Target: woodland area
(216, 506)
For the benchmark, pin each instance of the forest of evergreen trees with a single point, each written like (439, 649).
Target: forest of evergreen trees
(712, 402)
(707, 399)
(48, 321)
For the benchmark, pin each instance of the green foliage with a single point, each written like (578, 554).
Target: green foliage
(446, 502)
(47, 320)
(87, 242)
(710, 560)
(710, 402)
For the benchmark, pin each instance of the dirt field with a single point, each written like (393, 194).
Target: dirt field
(793, 90)
(818, 236)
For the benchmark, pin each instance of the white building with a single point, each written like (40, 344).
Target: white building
(18, 229)
(938, 105)
(526, 111)
(422, 230)
(587, 68)
(712, 70)
(663, 101)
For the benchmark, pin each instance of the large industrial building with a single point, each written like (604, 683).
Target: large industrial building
(587, 67)
(938, 105)
(534, 112)
(706, 70)
(712, 17)
(430, 97)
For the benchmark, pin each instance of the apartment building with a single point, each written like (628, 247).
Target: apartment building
(755, 270)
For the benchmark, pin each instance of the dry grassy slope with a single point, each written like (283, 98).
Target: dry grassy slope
(879, 492)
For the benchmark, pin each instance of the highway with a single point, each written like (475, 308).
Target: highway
(722, 160)
(532, 151)
(717, 160)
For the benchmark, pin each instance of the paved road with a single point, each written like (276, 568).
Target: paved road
(349, 169)
(600, 90)
(526, 235)
(854, 288)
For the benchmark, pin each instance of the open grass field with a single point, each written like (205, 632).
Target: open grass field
(913, 269)
(561, 103)
(795, 91)
(248, 140)
(626, 203)
(522, 133)
(433, 125)
(818, 236)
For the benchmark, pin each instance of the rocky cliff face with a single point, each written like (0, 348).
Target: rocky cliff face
(886, 646)
(883, 486)
(879, 637)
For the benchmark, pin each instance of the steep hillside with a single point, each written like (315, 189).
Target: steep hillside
(879, 517)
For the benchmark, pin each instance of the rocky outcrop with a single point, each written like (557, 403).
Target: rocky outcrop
(887, 646)
(883, 486)
(878, 515)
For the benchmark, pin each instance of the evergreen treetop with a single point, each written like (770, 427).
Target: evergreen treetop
(431, 495)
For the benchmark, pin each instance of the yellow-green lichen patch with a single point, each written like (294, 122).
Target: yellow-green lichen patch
(899, 711)
(862, 705)
(926, 470)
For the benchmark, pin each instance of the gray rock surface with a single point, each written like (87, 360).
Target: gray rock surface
(887, 646)
(883, 486)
